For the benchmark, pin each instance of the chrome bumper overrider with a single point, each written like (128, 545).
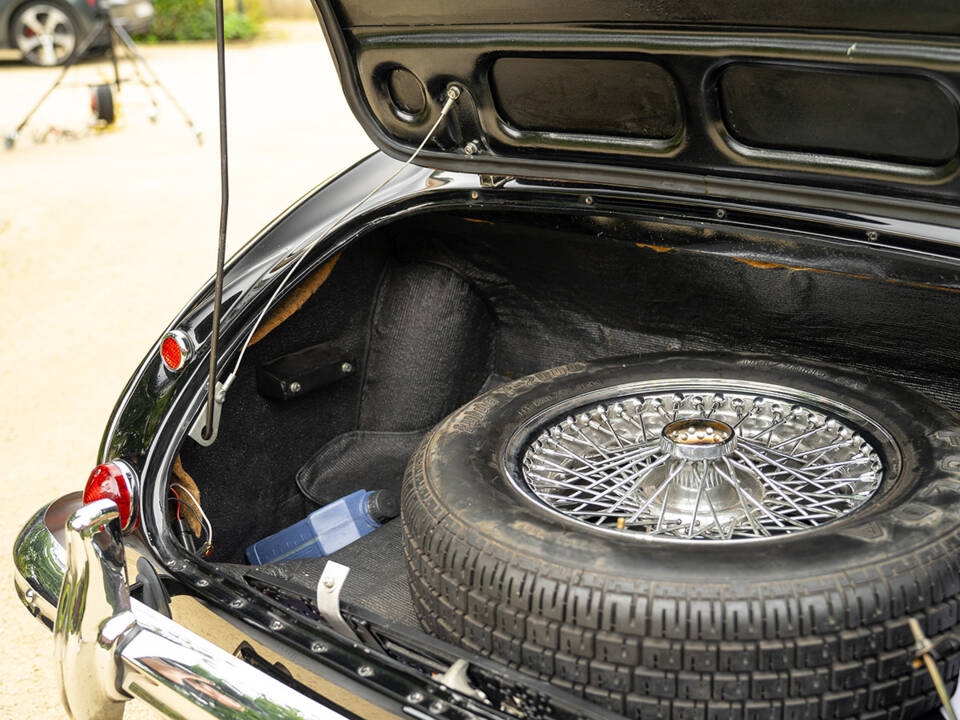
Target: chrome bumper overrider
(111, 647)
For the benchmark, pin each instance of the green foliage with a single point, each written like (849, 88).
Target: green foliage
(183, 20)
(195, 20)
(237, 26)
(253, 9)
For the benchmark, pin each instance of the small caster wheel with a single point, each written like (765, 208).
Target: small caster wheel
(101, 103)
(10, 139)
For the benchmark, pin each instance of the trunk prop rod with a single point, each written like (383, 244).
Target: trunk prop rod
(209, 430)
(205, 428)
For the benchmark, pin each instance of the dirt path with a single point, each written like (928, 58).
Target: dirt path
(103, 239)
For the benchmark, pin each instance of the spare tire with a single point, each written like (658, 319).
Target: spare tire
(696, 536)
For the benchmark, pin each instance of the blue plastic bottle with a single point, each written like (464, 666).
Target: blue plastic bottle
(328, 529)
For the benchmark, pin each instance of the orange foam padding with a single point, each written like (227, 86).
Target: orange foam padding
(183, 477)
(294, 301)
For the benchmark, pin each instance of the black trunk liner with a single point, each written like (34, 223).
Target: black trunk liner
(435, 306)
(361, 459)
(377, 581)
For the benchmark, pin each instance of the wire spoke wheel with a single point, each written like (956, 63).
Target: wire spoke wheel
(704, 462)
(652, 514)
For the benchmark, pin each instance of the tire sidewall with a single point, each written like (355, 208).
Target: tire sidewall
(915, 512)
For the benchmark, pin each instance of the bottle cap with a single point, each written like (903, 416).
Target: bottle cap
(383, 505)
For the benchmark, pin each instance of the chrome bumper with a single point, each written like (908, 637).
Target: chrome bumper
(111, 647)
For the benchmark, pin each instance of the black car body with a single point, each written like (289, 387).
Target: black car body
(612, 178)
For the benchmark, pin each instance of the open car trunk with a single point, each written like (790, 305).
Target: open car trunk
(433, 310)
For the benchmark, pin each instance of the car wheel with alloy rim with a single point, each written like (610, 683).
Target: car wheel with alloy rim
(45, 33)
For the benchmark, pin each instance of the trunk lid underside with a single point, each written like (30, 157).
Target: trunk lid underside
(853, 98)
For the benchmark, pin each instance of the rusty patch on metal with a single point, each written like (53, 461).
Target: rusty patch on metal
(767, 265)
(760, 264)
(763, 265)
(655, 248)
(799, 268)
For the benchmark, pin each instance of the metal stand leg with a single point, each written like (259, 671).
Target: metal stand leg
(11, 138)
(113, 56)
(136, 58)
(155, 112)
(118, 37)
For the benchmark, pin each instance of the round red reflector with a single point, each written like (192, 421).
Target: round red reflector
(109, 482)
(171, 352)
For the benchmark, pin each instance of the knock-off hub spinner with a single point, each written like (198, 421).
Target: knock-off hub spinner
(698, 439)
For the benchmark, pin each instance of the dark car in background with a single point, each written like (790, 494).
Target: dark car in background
(49, 32)
(656, 341)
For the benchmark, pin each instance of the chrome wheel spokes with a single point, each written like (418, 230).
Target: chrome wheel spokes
(703, 463)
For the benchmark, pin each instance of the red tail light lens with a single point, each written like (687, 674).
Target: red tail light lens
(174, 350)
(170, 351)
(115, 481)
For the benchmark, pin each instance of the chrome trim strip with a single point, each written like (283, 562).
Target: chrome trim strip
(111, 647)
(184, 675)
(133, 487)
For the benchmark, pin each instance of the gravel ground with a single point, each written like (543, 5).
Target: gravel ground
(102, 240)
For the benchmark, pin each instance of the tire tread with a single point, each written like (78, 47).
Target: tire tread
(830, 646)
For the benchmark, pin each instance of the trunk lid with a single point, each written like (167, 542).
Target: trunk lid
(803, 102)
